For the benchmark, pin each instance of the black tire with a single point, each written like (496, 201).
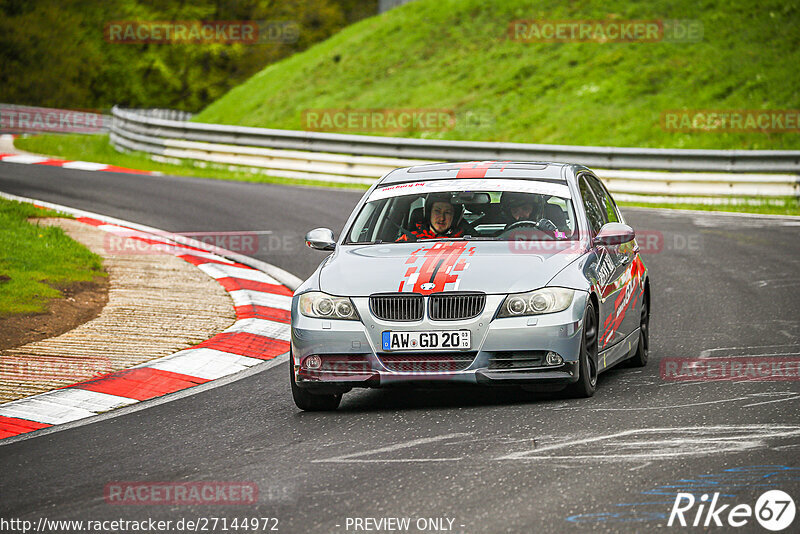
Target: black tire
(312, 402)
(587, 374)
(639, 358)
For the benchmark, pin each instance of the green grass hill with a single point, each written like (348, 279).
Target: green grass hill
(457, 55)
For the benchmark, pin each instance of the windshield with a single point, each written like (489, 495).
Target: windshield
(500, 210)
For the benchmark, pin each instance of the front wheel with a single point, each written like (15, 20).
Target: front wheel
(639, 359)
(587, 379)
(311, 402)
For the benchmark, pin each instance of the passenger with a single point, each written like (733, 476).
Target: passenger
(442, 219)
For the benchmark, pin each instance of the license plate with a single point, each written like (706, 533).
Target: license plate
(438, 340)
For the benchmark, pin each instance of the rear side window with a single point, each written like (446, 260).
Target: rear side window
(590, 204)
(604, 198)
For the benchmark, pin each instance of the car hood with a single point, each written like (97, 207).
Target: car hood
(428, 267)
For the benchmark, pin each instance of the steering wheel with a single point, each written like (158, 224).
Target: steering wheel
(545, 226)
(519, 224)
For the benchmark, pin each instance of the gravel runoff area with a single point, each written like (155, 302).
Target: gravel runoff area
(158, 304)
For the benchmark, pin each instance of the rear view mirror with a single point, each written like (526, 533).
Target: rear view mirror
(614, 234)
(468, 197)
(321, 239)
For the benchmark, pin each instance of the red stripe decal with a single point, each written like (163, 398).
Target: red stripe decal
(141, 383)
(235, 284)
(438, 264)
(251, 311)
(474, 169)
(246, 344)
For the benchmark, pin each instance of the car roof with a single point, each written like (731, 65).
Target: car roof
(525, 170)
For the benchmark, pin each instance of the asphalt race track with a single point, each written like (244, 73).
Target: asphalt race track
(489, 460)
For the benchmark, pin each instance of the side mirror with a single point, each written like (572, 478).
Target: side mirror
(321, 239)
(614, 234)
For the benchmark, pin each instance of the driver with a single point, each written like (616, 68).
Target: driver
(517, 207)
(442, 219)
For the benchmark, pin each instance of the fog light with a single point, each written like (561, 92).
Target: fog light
(312, 362)
(554, 359)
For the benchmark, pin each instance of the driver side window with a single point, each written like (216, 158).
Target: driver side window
(606, 203)
(592, 207)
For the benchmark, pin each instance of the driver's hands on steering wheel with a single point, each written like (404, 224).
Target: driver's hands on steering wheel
(547, 225)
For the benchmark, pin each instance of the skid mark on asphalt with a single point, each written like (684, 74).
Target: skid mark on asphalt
(752, 352)
(644, 445)
(357, 457)
(785, 396)
(649, 444)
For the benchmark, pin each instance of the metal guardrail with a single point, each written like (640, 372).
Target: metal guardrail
(362, 159)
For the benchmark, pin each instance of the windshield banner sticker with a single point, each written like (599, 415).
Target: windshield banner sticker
(477, 184)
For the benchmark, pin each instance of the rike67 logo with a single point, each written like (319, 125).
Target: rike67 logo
(774, 510)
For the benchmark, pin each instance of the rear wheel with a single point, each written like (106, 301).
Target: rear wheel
(311, 402)
(587, 379)
(639, 358)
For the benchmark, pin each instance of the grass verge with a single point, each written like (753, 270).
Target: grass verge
(777, 206)
(35, 261)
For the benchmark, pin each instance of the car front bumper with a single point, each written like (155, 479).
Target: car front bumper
(504, 351)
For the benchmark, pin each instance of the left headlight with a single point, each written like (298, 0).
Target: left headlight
(545, 300)
(324, 306)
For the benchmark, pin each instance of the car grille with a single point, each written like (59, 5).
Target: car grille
(517, 360)
(397, 307)
(445, 362)
(456, 306)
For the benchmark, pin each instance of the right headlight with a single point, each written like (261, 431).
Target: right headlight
(324, 306)
(545, 300)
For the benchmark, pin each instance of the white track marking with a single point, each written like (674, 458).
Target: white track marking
(262, 327)
(216, 270)
(85, 165)
(43, 411)
(245, 297)
(93, 401)
(203, 363)
(356, 456)
(24, 158)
